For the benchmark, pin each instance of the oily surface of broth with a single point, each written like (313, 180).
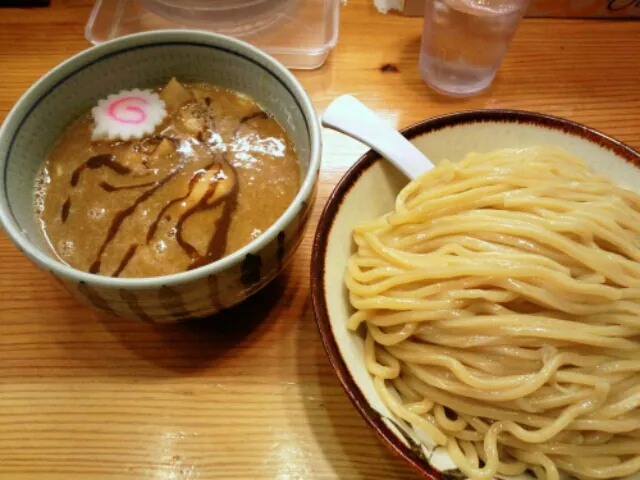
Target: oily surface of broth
(215, 175)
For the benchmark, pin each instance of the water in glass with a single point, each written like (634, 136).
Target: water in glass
(463, 42)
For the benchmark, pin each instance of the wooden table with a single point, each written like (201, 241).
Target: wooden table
(248, 394)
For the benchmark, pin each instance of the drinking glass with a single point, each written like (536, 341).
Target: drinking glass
(464, 41)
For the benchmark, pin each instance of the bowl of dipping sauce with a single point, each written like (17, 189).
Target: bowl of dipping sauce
(161, 176)
(449, 305)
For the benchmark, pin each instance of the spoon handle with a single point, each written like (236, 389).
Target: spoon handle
(347, 115)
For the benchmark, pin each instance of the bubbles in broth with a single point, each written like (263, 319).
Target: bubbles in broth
(42, 180)
(216, 171)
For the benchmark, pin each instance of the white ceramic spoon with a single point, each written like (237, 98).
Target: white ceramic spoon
(347, 115)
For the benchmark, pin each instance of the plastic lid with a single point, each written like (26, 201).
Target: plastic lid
(299, 33)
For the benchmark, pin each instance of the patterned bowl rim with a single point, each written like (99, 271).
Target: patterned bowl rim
(413, 456)
(49, 82)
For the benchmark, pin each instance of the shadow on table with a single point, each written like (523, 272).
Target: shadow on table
(348, 444)
(142, 350)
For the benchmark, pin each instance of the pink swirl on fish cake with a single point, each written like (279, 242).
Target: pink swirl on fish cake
(127, 104)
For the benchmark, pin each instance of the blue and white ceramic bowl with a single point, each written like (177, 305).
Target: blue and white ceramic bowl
(147, 60)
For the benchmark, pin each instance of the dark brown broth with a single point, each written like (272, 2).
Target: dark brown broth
(215, 175)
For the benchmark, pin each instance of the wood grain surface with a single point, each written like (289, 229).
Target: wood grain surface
(249, 393)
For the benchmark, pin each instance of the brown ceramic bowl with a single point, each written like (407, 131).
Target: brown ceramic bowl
(368, 190)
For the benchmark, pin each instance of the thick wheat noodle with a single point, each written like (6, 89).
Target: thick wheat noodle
(500, 305)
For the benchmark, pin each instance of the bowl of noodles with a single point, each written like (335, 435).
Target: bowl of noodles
(484, 318)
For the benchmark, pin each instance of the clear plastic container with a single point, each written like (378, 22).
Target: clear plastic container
(299, 33)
